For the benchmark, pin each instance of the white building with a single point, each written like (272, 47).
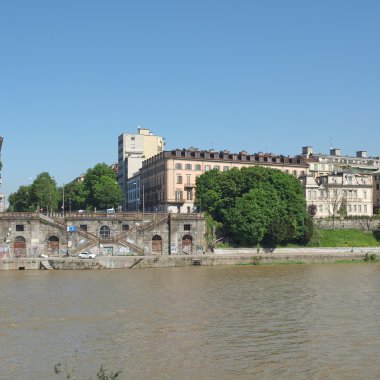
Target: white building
(341, 194)
(133, 149)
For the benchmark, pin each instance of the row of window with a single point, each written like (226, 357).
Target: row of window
(349, 194)
(350, 208)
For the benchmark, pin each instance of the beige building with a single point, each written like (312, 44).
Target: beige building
(337, 194)
(324, 164)
(133, 149)
(167, 180)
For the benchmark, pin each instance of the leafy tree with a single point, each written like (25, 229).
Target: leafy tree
(255, 205)
(21, 200)
(75, 196)
(101, 187)
(45, 193)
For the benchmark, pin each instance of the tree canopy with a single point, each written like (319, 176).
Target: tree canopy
(98, 190)
(255, 205)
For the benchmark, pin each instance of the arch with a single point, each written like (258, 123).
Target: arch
(53, 245)
(105, 232)
(157, 245)
(19, 246)
(187, 244)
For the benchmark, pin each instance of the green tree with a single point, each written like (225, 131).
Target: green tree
(255, 205)
(45, 194)
(21, 200)
(101, 187)
(75, 196)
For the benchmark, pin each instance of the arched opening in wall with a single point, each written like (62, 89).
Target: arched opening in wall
(105, 232)
(53, 246)
(19, 246)
(187, 244)
(156, 245)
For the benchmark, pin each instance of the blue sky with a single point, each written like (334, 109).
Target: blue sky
(255, 75)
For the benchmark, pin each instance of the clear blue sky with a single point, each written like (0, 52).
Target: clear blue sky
(255, 75)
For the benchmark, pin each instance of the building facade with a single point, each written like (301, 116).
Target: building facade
(133, 149)
(376, 190)
(167, 180)
(339, 194)
(324, 164)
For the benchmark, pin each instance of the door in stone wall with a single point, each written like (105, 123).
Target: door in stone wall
(19, 247)
(156, 245)
(53, 246)
(187, 244)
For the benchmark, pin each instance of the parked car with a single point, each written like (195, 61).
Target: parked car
(87, 255)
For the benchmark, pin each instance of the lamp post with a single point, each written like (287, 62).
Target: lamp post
(63, 200)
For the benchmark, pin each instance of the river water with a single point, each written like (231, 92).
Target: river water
(229, 322)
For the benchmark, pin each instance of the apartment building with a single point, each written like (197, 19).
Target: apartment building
(133, 149)
(340, 193)
(324, 164)
(167, 180)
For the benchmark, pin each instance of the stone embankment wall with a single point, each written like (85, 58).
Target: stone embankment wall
(220, 257)
(356, 224)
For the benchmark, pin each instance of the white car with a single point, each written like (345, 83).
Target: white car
(87, 255)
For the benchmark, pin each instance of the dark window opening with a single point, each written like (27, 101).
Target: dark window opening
(83, 227)
(186, 227)
(19, 227)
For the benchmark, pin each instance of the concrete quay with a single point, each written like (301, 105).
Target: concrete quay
(242, 256)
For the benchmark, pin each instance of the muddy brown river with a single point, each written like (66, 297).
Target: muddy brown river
(312, 321)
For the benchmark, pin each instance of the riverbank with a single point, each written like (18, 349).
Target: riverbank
(241, 256)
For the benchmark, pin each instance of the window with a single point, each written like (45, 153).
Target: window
(225, 168)
(179, 179)
(178, 195)
(207, 167)
(104, 231)
(188, 179)
(365, 208)
(188, 166)
(125, 227)
(189, 195)
(198, 167)
(364, 194)
(178, 165)
(217, 167)
(187, 227)
(320, 208)
(19, 227)
(83, 227)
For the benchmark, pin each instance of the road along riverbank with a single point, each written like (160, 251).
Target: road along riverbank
(241, 256)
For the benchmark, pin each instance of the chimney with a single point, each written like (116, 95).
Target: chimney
(307, 150)
(334, 152)
(361, 154)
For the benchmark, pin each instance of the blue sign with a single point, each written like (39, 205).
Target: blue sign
(72, 228)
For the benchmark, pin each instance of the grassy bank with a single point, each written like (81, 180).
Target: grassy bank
(344, 238)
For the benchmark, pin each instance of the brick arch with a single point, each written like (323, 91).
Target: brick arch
(53, 245)
(19, 246)
(187, 244)
(157, 245)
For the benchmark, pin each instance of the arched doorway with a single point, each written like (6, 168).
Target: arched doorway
(53, 246)
(105, 232)
(157, 245)
(19, 246)
(187, 244)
